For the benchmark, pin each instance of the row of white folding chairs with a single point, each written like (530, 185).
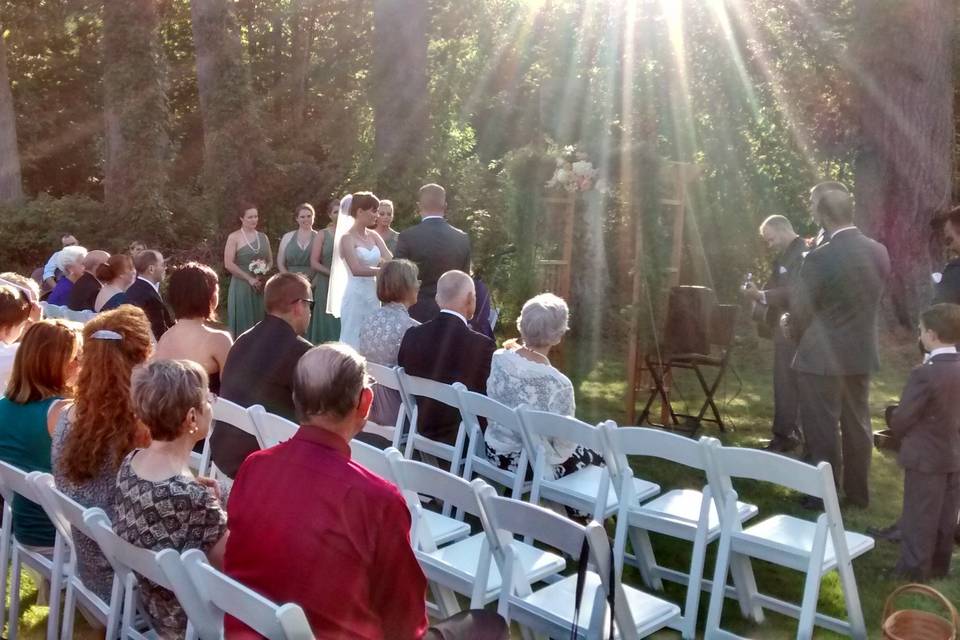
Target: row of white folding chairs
(205, 593)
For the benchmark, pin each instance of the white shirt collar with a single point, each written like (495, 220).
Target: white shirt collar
(156, 286)
(454, 313)
(940, 351)
(431, 216)
(842, 229)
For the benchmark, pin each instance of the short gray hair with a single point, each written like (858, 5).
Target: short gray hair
(543, 320)
(776, 221)
(327, 381)
(163, 391)
(70, 256)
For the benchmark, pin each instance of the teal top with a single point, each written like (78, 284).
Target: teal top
(25, 443)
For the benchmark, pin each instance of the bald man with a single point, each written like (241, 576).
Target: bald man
(435, 246)
(447, 350)
(86, 288)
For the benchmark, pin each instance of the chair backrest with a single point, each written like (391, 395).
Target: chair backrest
(724, 463)
(385, 376)
(475, 405)
(375, 460)
(13, 480)
(272, 429)
(62, 510)
(427, 480)
(544, 424)
(416, 387)
(226, 595)
(723, 324)
(236, 416)
(622, 442)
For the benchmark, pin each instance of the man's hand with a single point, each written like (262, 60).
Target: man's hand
(751, 291)
(785, 326)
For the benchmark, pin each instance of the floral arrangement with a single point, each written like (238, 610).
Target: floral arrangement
(575, 173)
(258, 267)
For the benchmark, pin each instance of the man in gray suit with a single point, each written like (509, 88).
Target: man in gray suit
(833, 316)
(435, 246)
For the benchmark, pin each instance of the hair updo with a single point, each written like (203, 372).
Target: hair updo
(115, 266)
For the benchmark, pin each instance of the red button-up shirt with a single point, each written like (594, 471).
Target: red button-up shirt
(310, 526)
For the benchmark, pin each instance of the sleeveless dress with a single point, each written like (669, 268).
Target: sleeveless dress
(296, 259)
(115, 301)
(244, 304)
(359, 298)
(323, 326)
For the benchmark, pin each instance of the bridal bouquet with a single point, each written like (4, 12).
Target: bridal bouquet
(258, 267)
(575, 173)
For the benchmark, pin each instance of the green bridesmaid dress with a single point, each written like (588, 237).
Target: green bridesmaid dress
(323, 327)
(244, 303)
(297, 260)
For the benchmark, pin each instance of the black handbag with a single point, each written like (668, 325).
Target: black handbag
(581, 580)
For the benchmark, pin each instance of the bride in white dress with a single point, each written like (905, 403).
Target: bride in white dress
(358, 253)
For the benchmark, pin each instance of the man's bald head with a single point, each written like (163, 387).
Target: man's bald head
(94, 259)
(432, 200)
(456, 292)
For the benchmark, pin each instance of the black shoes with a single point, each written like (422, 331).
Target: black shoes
(780, 444)
(888, 534)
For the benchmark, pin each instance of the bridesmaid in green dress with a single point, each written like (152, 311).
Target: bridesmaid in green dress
(245, 297)
(323, 326)
(293, 256)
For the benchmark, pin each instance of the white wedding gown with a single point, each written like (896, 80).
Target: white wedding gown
(359, 298)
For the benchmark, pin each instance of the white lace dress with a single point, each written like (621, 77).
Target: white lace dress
(359, 298)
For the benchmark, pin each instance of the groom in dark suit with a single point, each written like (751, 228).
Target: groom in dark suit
(435, 246)
(834, 308)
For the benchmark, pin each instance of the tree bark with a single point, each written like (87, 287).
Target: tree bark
(11, 185)
(904, 166)
(302, 29)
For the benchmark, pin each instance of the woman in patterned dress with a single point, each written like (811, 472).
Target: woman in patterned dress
(323, 326)
(243, 247)
(159, 503)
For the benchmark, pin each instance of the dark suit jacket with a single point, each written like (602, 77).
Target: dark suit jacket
(948, 290)
(437, 247)
(259, 370)
(834, 306)
(928, 418)
(446, 350)
(776, 289)
(142, 294)
(84, 293)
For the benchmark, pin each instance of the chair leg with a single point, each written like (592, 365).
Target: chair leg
(692, 603)
(851, 596)
(717, 594)
(646, 560)
(116, 606)
(808, 607)
(745, 585)
(56, 586)
(446, 600)
(13, 622)
(69, 610)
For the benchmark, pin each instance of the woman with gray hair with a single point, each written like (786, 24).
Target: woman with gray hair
(70, 263)
(521, 374)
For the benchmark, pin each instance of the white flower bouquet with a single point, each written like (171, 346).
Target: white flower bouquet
(258, 267)
(575, 173)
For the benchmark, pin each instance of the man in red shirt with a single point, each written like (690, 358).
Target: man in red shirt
(310, 526)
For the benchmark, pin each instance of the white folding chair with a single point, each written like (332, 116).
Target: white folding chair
(588, 489)
(13, 482)
(550, 610)
(220, 594)
(200, 462)
(65, 514)
(814, 548)
(271, 428)
(474, 406)
(236, 416)
(443, 529)
(387, 377)
(413, 387)
(164, 568)
(687, 514)
(463, 566)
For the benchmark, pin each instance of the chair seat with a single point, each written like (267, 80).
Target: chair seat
(681, 359)
(680, 508)
(555, 602)
(460, 559)
(443, 528)
(584, 484)
(786, 538)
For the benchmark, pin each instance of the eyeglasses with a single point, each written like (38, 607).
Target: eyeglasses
(307, 300)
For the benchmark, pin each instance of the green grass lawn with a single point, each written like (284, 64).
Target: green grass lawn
(746, 401)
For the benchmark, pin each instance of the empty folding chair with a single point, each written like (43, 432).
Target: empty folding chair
(221, 594)
(687, 514)
(387, 377)
(588, 489)
(414, 387)
(473, 407)
(164, 568)
(813, 548)
(552, 609)
(66, 515)
(271, 428)
(236, 416)
(463, 566)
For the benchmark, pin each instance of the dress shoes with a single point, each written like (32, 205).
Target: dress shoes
(781, 445)
(889, 534)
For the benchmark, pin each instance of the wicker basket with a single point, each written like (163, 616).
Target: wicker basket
(911, 624)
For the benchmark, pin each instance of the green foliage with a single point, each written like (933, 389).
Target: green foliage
(31, 231)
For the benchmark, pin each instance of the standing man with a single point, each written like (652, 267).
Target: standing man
(435, 246)
(50, 276)
(834, 314)
(774, 299)
(145, 290)
(946, 288)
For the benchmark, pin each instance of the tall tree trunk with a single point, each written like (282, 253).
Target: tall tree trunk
(905, 163)
(232, 139)
(303, 24)
(399, 88)
(137, 142)
(11, 186)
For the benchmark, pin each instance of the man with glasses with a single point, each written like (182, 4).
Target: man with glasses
(259, 366)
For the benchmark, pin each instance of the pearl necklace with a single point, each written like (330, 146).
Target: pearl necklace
(247, 241)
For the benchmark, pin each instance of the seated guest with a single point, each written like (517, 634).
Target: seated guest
(304, 503)
(145, 290)
(159, 504)
(447, 350)
(194, 294)
(15, 310)
(521, 374)
(928, 423)
(52, 270)
(485, 316)
(382, 331)
(71, 264)
(43, 374)
(259, 367)
(93, 437)
(83, 296)
(116, 275)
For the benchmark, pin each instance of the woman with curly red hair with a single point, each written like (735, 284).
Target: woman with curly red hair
(93, 437)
